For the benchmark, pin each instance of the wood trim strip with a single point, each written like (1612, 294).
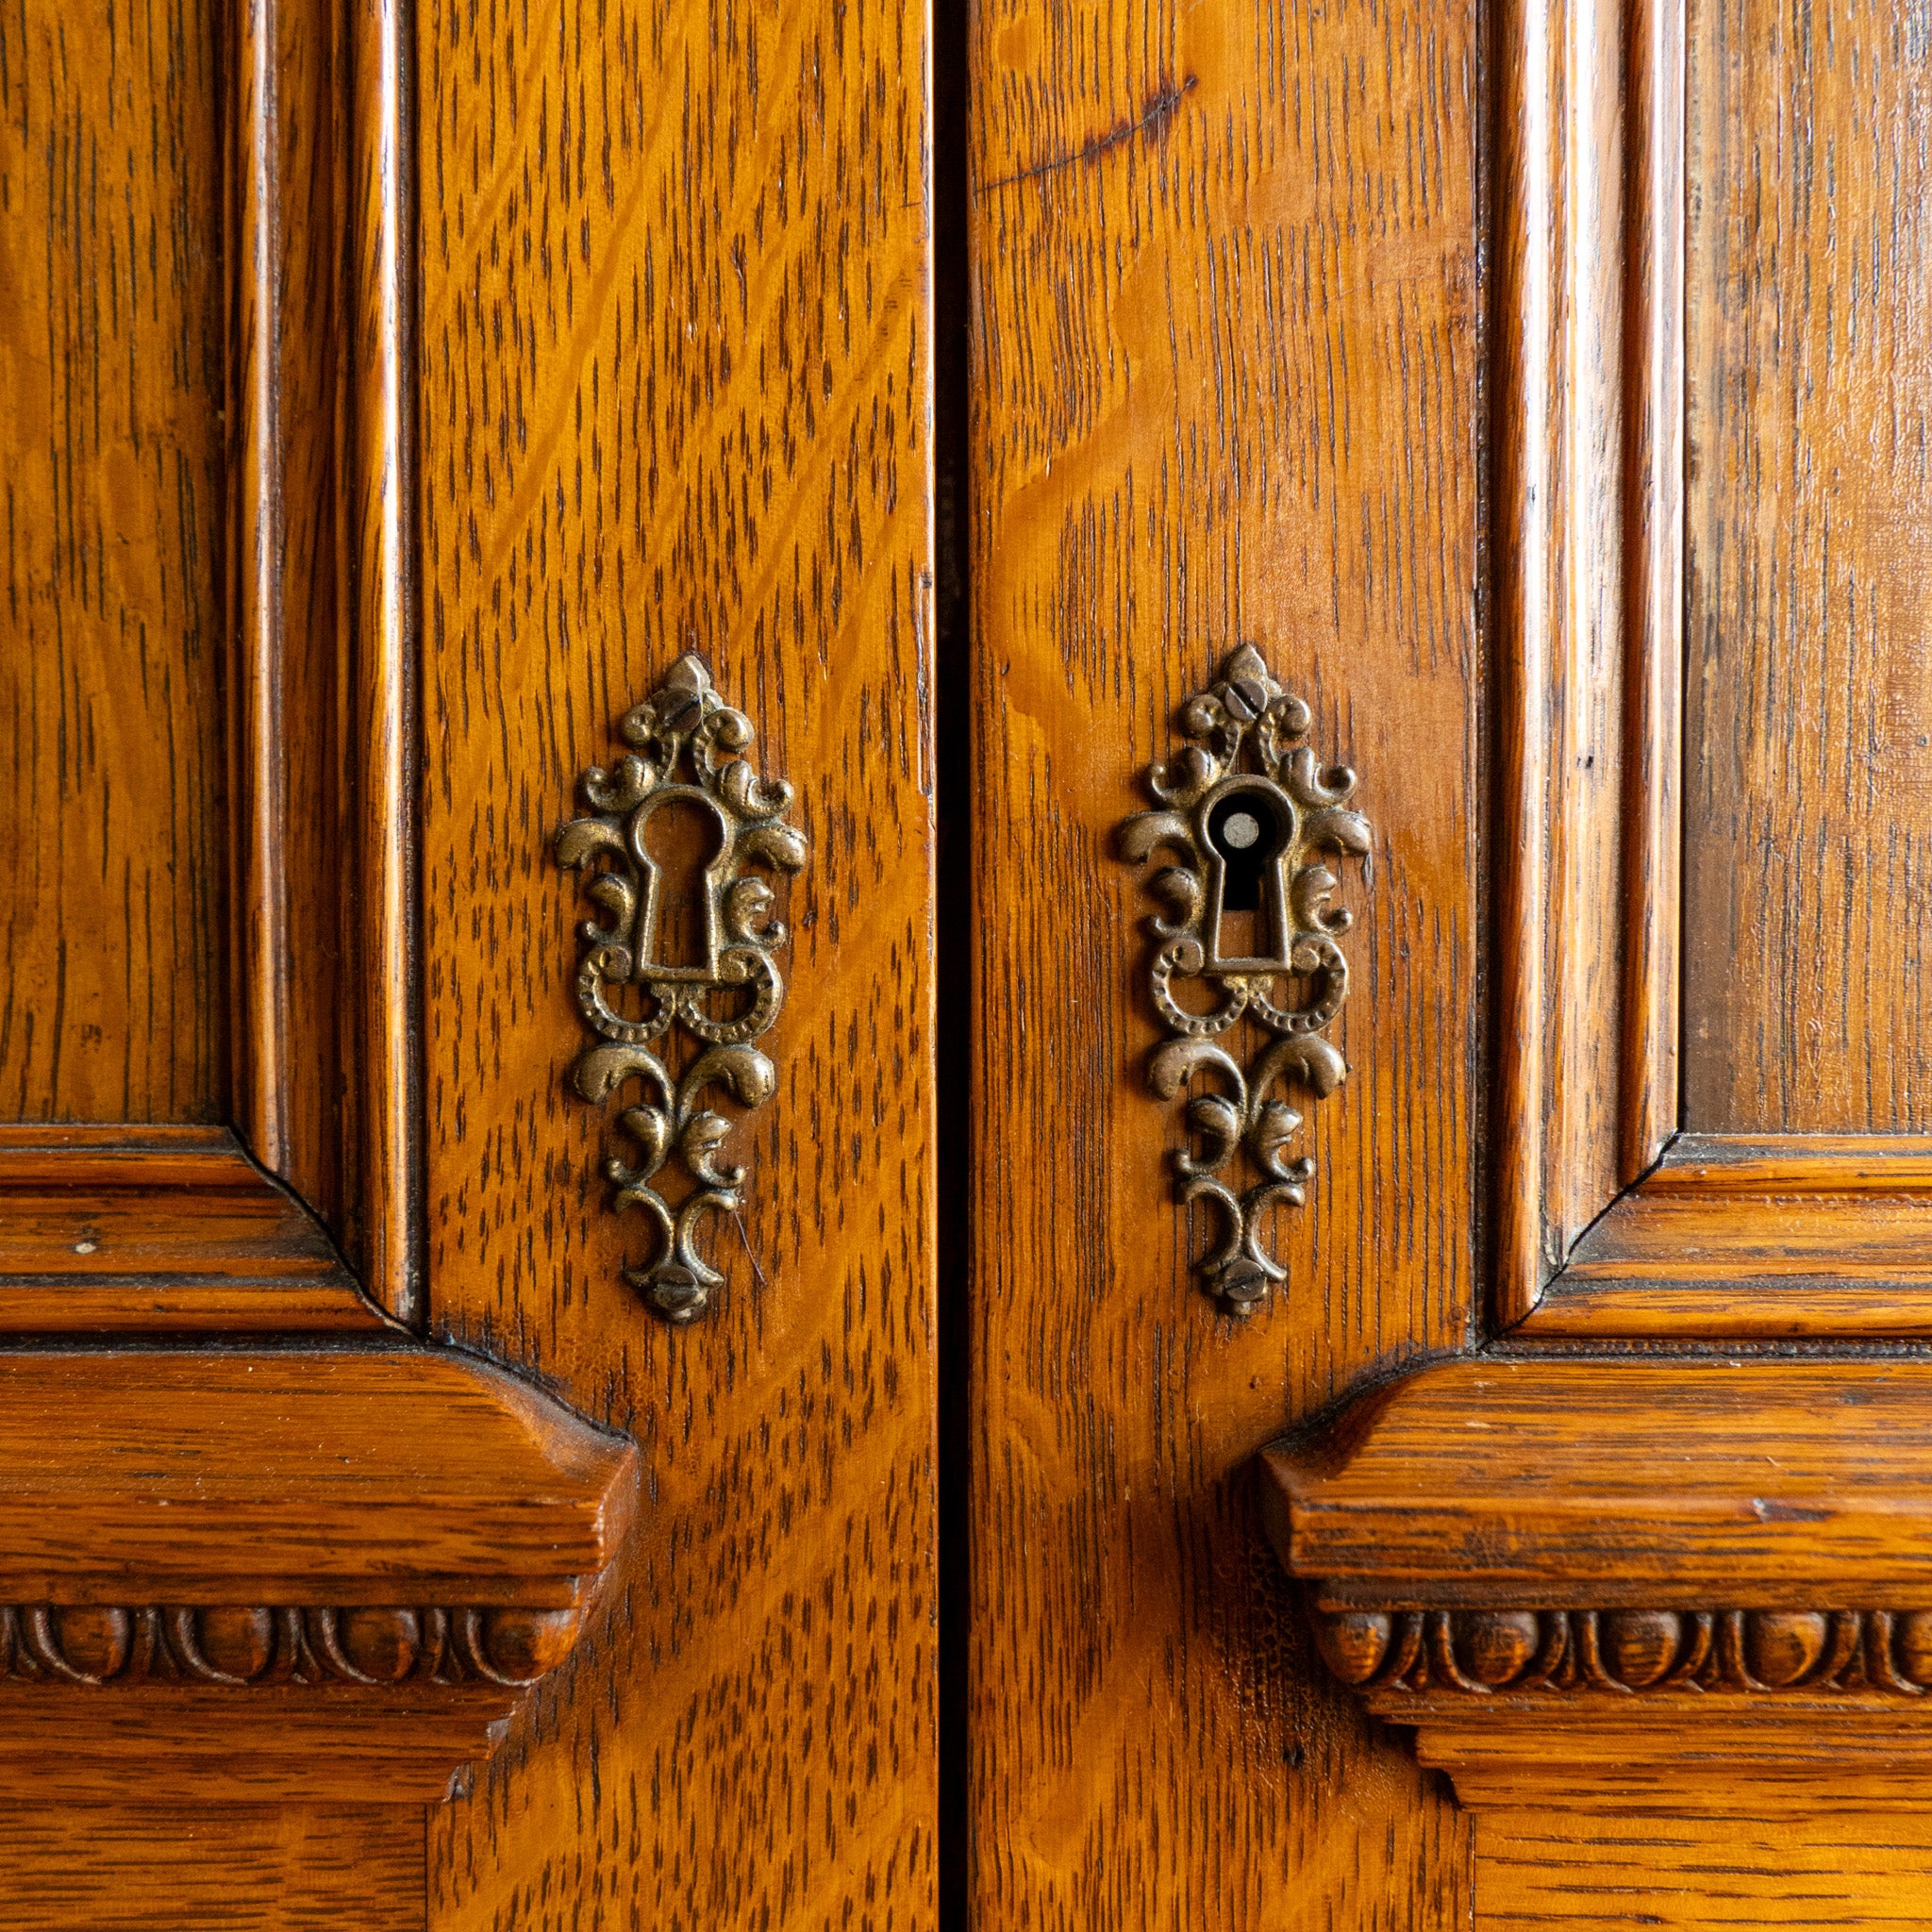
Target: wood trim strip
(398, 1744)
(1586, 581)
(324, 759)
(1834, 1164)
(1654, 509)
(106, 1230)
(1521, 485)
(1735, 1236)
(383, 556)
(258, 488)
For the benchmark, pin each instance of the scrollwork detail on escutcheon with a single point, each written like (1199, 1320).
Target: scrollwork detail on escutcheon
(1246, 815)
(687, 749)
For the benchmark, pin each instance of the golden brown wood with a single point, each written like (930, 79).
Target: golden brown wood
(1736, 1236)
(405, 1745)
(675, 396)
(111, 865)
(1634, 1601)
(382, 510)
(1700, 1875)
(1225, 351)
(159, 1229)
(1586, 566)
(255, 1869)
(1809, 348)
(1695, 1482)
(304, 1476)
(324, 730)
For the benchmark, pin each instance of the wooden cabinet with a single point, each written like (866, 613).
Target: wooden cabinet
(962, 967)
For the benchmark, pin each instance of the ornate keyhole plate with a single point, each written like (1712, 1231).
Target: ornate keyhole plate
(687, 749)
(1245, 813)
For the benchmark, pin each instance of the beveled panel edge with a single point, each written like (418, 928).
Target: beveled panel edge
(323, 617)
(1587, 570)
(124, 1230)
(1749, 1235)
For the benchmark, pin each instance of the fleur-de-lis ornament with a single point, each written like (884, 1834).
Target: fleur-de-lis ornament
(686, 749)
(1245, 814)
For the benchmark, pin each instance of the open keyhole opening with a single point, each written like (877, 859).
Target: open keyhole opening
(682, 838)
(1248, 831)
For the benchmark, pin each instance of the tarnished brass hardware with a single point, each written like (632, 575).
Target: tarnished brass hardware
(1244, 811)
(687, 750)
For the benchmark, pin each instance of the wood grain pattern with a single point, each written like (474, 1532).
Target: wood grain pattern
(1701, 1875)
(244, 1869)
(166, 1228)
(1807, 817)
(299, 1477)
(382, 511)
(111, 869)
(1602, 1755)
(1731, 1235)
(676, 396)
(325, 735)
(1225, 365)
(405, 1745)
(1740, 1483)
(1586, 569)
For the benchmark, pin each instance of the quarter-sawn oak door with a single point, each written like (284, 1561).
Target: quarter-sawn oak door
(962, 967)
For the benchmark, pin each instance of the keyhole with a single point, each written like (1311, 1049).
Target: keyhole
(1247, 829)
(682, 838)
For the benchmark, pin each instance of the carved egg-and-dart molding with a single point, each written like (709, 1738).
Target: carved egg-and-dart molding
(1246, 815)
(687, 749)
(236, 1646)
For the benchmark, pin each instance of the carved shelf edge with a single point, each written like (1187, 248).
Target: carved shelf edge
(1594, 1584)
(286, 1574)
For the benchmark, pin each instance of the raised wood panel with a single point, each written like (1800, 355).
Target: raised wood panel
(675, 396)
(1808, 818)
(243, 1868)
(112, 868)
(1225, 365)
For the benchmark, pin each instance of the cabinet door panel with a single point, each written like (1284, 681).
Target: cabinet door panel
(1226, 355)
(675, 398)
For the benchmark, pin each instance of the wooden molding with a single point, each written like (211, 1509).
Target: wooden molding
(1582, 1576)
(1816, 1235)
(205, 1745)
(1586, 456)
(1711, 1756)
(322, 621)
(354, 1558)
(129, 1229)
(1606, 1223)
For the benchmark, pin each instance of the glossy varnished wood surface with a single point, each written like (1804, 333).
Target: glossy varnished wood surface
(1830, 1873)
(297, 1477)
(243, 1868)
(160, 1228)
(111, 306)
(1225, 364)
(1698, 1481)
(674, 354)
(1809, 344)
